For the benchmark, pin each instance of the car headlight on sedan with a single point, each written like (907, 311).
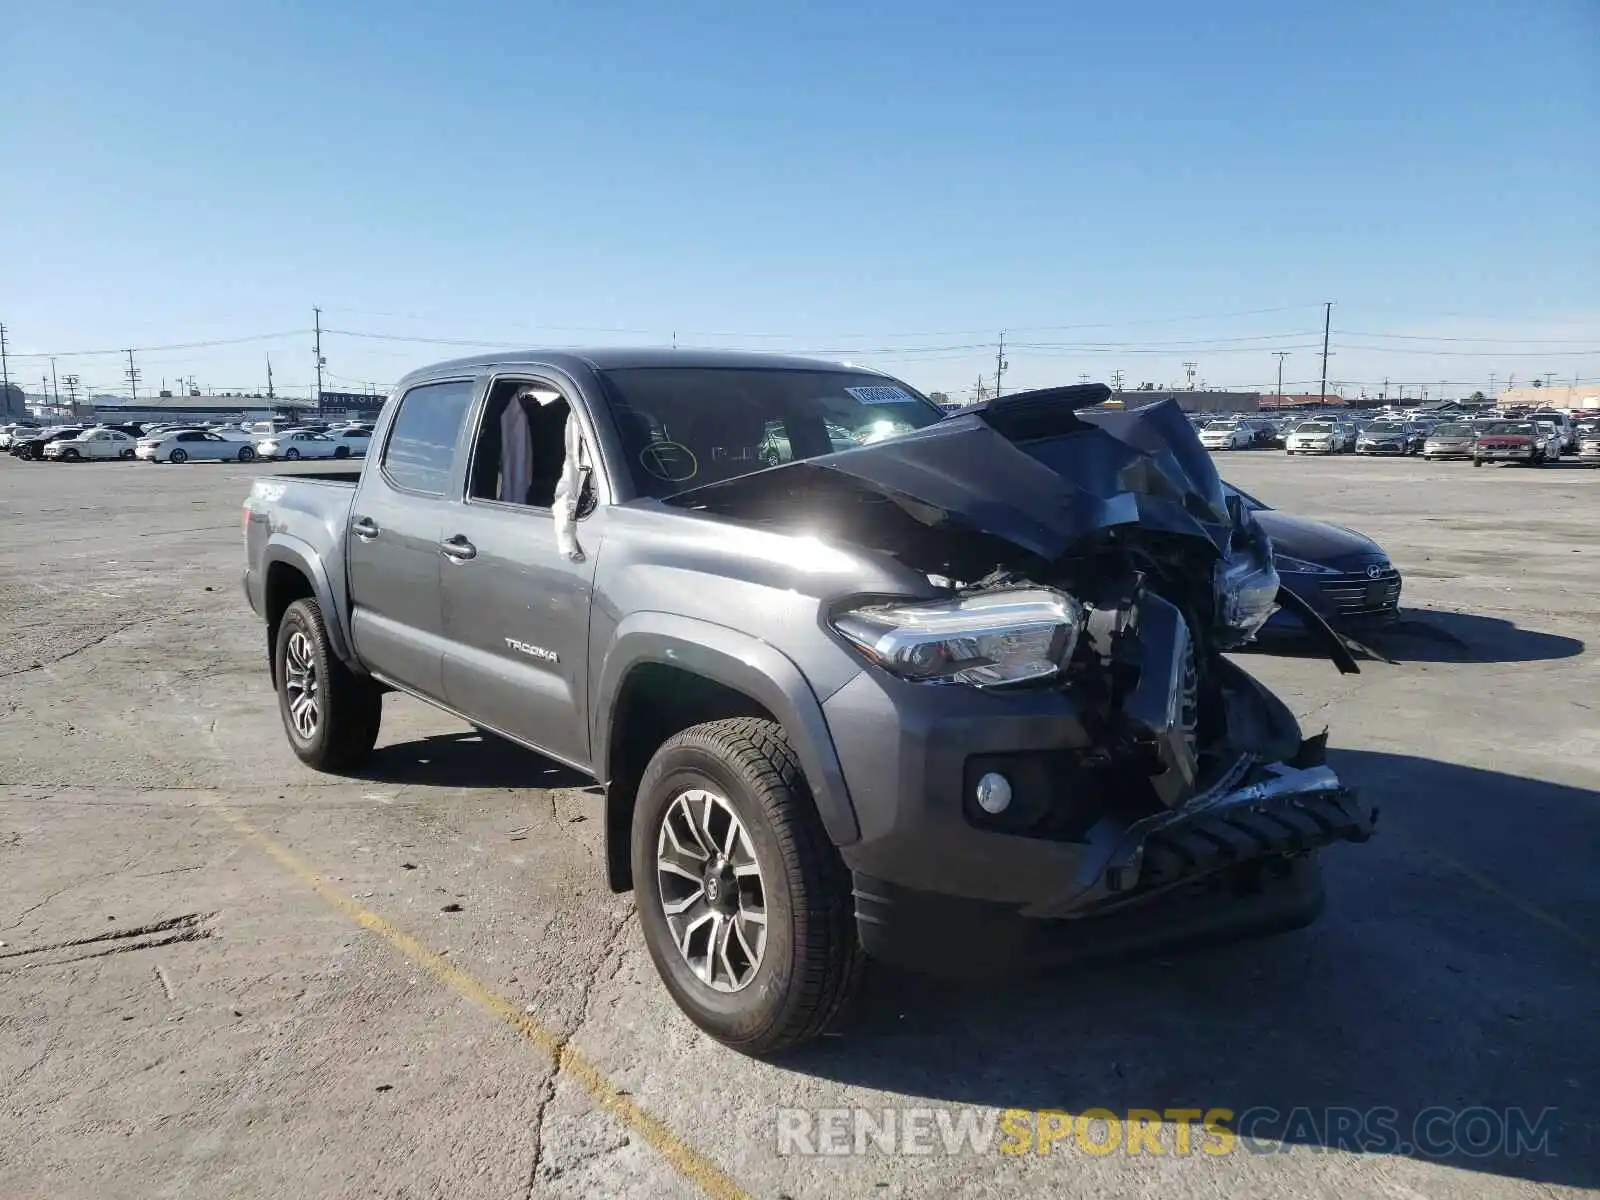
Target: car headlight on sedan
(987, 639)
(1288, 565)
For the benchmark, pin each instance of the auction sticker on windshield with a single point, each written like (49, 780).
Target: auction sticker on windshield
(882, 395)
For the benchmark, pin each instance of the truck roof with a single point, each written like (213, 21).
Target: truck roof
(610, 358)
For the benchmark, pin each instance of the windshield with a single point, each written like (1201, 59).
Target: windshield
(1453, 431)
(1313, 427)
(685, 427)
(1523, 427)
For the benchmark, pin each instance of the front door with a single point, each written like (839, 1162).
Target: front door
(516, 608)
(516, 616)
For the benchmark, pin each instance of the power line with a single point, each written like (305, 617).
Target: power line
(1423, 337)
(238, 341)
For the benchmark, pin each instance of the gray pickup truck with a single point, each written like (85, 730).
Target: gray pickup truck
(859, 677)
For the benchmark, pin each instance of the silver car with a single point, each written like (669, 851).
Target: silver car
(1588, 433)
(1454, 440)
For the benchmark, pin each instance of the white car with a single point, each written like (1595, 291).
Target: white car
(1554, 443)
(92, 443)
(353, 440)
(8, 432)
(1564, 424)
(182, 445)
(294, 444)
(1227, 435)
(1314, 437)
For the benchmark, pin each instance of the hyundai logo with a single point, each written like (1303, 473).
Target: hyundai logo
(1375, 570)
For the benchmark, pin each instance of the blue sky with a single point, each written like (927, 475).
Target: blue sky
(1120, 186)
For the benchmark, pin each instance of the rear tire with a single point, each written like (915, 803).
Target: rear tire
(291, 454)
(330, 714)
(341, 451)
(805, 969)
(178, 456)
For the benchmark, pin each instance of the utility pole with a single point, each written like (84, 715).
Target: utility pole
(133, 379)
(1282, 354)
(1000, 364)
(320, 360)
(55, 391)
(269, 378)
(1327, 324)
(1491, 384)
(72, 391)
(1548, 376)
(1189, 369)
(5, 370)
(1116, 381)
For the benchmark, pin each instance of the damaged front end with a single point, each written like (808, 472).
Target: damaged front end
(1096, 556)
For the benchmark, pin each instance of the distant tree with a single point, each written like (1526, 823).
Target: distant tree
(939, 397)
(1477, 397)
(1538, 383)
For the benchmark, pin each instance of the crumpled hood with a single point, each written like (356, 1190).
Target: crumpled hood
(1029, 469)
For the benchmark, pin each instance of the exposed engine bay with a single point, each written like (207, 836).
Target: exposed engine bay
(1096, 553)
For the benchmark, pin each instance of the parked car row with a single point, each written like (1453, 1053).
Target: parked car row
(183, 443)
(1531, 437)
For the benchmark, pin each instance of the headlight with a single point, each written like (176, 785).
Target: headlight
(1299, 566)
(989, 639)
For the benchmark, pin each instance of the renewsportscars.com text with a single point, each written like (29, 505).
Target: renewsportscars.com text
(1438, 1132)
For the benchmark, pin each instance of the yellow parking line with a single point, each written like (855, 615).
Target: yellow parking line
(1517, 902)
(687, 1161)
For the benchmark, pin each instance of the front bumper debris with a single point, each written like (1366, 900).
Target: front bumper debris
(1252, 813)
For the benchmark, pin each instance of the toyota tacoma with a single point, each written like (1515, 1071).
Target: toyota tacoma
(860, 678)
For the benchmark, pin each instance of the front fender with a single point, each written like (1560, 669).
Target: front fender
(302, 556)
(746, 664)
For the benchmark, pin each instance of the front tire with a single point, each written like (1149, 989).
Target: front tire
(330, 714)
(341, 451)
(70, 455)
(125, 454)
(745, 904)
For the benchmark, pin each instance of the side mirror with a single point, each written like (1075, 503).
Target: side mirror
(586, 497)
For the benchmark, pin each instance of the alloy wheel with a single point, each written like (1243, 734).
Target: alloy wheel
(300, 685)
(711, 888)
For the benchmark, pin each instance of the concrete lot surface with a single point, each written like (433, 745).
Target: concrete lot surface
(223, 975)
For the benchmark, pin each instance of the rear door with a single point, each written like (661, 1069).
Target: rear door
(392, 549)
(516, 608)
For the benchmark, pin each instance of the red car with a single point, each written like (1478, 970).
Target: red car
(1511, 441)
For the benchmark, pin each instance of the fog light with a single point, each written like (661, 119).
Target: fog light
(994, 793)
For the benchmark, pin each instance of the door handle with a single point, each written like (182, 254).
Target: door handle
(364, 528)
(458, 548)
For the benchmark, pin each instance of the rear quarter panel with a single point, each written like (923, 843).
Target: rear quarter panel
(302, 522)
